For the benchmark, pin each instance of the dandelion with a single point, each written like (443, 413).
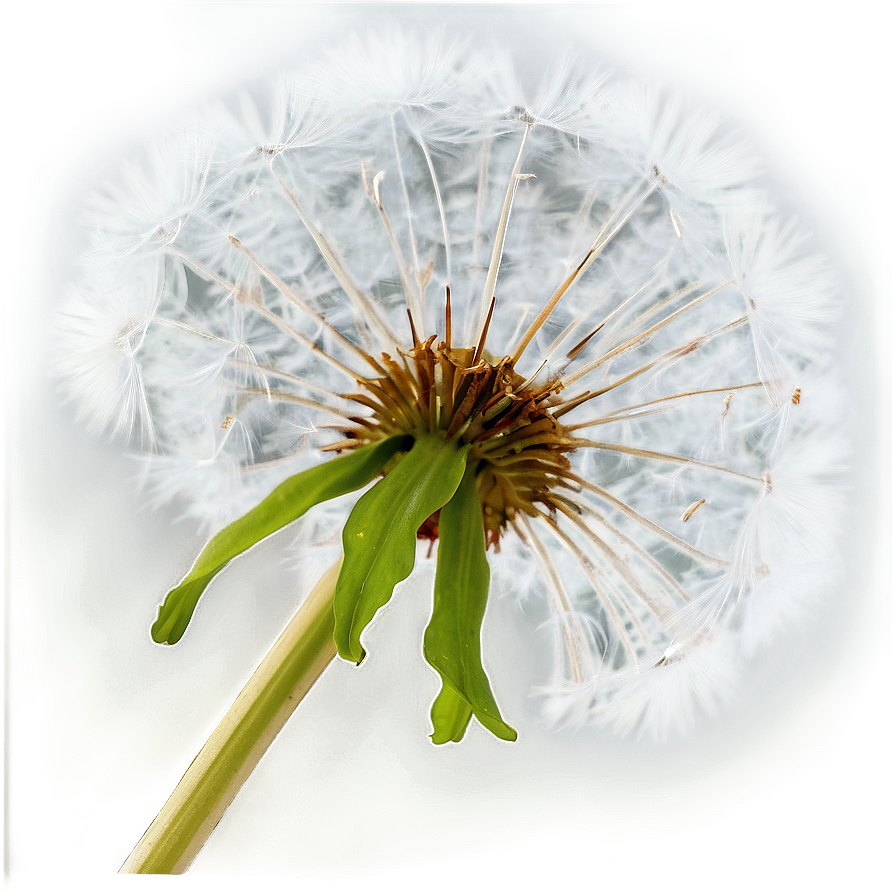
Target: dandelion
(559, 339)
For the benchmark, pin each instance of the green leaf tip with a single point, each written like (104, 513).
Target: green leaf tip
(452, 641)
(450, 716)
(286, 503)
(380, 537)
(177, 610)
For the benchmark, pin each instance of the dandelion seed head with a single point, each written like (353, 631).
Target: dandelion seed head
(578, 279)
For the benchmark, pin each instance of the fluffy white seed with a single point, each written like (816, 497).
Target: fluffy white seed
(631, 256)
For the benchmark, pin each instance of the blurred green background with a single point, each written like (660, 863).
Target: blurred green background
(790, 789)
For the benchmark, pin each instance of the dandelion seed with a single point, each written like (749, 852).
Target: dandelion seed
(446, 287)
(692, 510)
(528, 430)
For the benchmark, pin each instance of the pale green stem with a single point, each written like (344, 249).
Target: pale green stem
(215, 776)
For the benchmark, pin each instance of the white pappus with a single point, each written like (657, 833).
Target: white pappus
(610, 243)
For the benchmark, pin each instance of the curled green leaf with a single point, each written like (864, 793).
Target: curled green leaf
(380, 537)
(286, 503)
(450, 715)
(452, 641)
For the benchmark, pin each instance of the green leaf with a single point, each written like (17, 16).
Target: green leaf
(450, 716)
(284, 504)
(380, 537)
(452, 641)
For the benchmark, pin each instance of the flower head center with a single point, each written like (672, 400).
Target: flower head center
(518, 447)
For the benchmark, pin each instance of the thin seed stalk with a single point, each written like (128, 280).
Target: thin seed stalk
(213, 779)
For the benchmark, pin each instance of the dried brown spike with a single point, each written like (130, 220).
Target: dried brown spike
(414, 336)
(481, 345)
(580, 345)
(448, 317)
(517, 445)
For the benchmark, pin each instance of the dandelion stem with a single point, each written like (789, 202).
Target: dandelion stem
(215, 776)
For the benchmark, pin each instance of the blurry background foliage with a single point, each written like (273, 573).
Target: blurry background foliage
(100, 720)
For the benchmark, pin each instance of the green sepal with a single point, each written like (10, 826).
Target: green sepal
(450, 715)
(283, 505)
(452, 641)
(380, 537)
